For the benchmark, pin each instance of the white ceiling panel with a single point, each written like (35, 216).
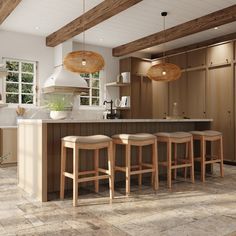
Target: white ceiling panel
(136, 22)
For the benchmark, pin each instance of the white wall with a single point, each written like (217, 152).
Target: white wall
(26, 47)
(29, 47)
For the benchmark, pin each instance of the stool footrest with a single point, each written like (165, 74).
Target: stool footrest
(89, 172)
(119, 168)
(212, 161)
(136, 172)
(181, 166)
(147, 165)
(103, 171)
(69, 175)
(87, 179)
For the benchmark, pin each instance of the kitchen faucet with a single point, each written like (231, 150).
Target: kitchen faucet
(112, 115)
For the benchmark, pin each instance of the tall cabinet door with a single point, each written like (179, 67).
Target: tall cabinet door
(159, 99)
(196, 94)
(219, 98)
(177, 93)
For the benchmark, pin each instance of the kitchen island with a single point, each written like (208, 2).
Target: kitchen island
(39, 144)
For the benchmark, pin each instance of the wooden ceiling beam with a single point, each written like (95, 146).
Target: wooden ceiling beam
(96, 15)
(221, 17)
(6, 8)
(206, 43)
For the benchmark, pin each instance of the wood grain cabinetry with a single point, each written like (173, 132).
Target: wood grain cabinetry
(140, 90)
(196, 98)
(220, 54)
(159, 99)
(178, 93)
(8, 145)
(220, 106)
(196, 58)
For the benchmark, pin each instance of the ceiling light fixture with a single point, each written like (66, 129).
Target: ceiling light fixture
(216, 28)
(84, 61)
(164, 71)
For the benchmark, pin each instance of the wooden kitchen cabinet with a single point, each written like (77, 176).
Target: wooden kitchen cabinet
(196, 94)
(220, 105)
(159, 99)
(179, 60)
(196, 58)
(178, 93)
(220, 54)
(8, 145)
(140, 89)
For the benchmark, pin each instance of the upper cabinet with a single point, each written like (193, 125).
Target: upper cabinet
(179, 60)
(196, 58)
(220, 54)
(139, 66)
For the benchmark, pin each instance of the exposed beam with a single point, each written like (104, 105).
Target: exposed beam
(96, 15)
(221, 17)
(6, 8)
(194, 46)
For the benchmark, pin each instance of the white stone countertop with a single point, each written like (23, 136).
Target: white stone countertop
(8, 126)
(49, 121)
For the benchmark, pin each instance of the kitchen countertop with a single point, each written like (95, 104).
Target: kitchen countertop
(8, 126)
(49, 121)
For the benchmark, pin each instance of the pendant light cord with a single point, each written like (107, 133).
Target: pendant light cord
(164, 44)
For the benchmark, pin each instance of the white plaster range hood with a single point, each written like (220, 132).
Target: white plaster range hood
(63, 81)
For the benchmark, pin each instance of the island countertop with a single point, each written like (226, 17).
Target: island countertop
(49, 121)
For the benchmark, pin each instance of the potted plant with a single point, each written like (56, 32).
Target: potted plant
(59, 106)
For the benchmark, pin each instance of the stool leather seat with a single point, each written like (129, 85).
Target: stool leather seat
(135, 137)
(206, 133)
(174, 134)
(87, 139)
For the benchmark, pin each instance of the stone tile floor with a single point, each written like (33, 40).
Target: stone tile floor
(187, 209)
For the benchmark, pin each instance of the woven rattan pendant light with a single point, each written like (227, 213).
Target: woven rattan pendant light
(84, 61)
(164, 71)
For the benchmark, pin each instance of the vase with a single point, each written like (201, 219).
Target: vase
(58, 115)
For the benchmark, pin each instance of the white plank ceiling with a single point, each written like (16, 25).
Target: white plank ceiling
(46, 16)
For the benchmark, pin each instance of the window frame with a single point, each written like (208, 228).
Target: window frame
(20, 83)
(90, 96)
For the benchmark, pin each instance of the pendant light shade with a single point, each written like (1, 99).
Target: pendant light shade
(164, 71)
(84, 62)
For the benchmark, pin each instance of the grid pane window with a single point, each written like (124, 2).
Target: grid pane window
(20, 82)
(93, 98)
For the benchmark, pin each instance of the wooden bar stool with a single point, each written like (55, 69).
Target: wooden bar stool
(138, 140)
(94, 142)
(186, 161)
(203, 137)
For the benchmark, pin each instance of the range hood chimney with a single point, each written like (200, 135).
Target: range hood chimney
(63, 81)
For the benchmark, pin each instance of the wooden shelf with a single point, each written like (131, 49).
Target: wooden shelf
(117, 84)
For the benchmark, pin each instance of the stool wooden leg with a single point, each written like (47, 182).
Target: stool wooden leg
(155, 180)
(127, 173)
(140, 165)
(169, 163)
(63, 167)
(203, 158)
(187, 153)
(191, 159)
(75, 175)
(221, 158)
(111, 170)
(175, 160)
(96, 165)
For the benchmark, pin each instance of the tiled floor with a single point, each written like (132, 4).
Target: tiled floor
(199, 209)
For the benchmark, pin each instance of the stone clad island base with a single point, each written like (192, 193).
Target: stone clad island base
(39, 144)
